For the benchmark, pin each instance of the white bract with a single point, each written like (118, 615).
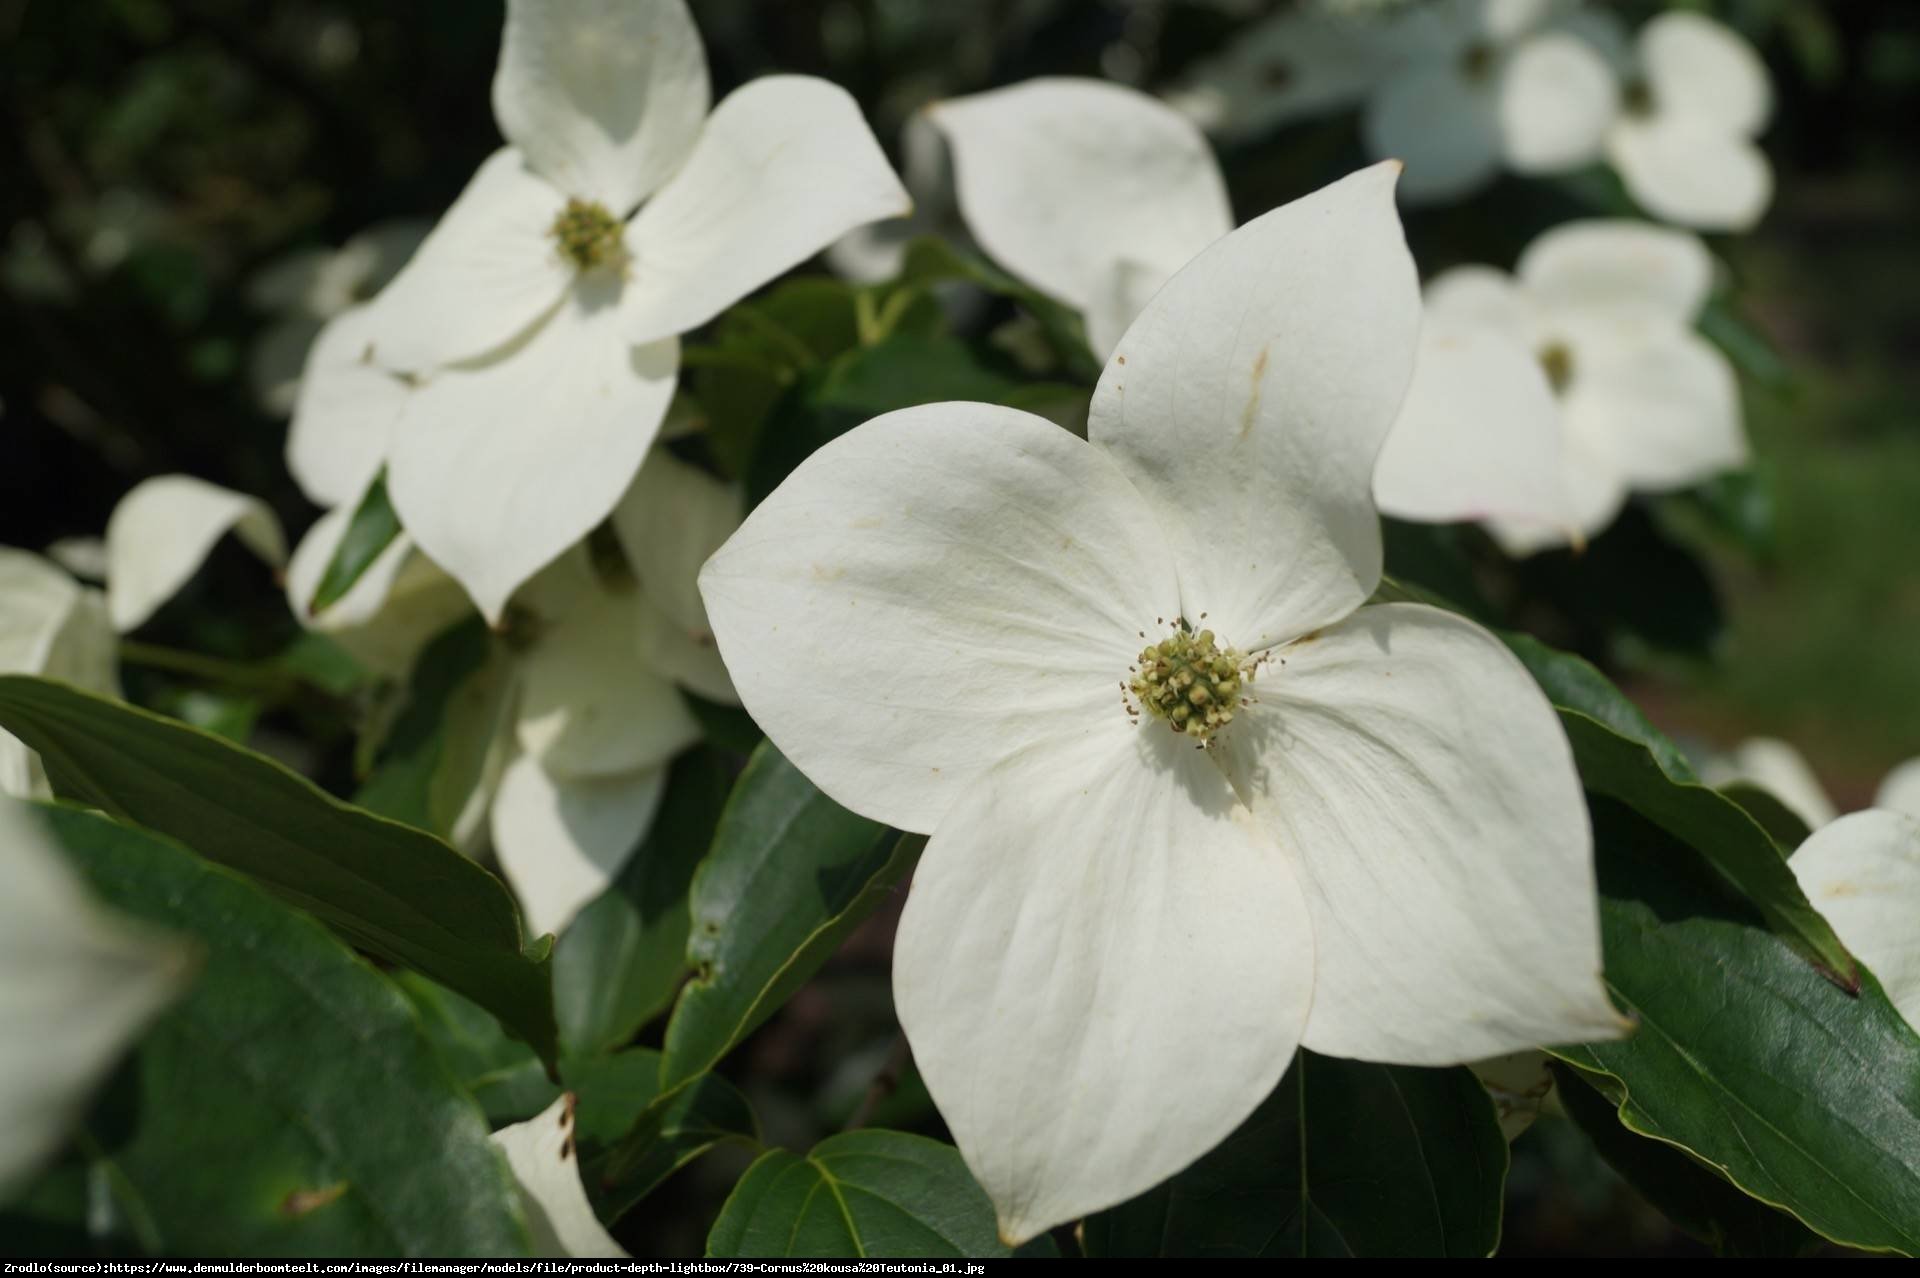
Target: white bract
(53, 627)
(1777, 767)
(584, 714)
(1093, 193)
(1096, 195)
(307, 288)
(163, 530)
(1603, 311)
(545, 1158)
(1863, 873)
(541, 315)
(1697, 96)
(76, 985)
(964, 621)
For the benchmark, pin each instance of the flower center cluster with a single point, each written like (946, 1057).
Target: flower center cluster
(1191, 682)
(1557, 360)
(1637, 98)
(1477, 62)
(588, 235)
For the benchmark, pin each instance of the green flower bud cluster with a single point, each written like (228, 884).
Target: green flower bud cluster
(1191, 682)
(588, 235)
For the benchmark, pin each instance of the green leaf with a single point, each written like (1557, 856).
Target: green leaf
(621, 960)
(1787, 827)
(433, 756)
(372, 530)
(1799, 1093)
(863, 1193)
(1749, 349)
(289, 1103)
(1572, 683)
(1622, 756)
(932, 259)
(790, 873)
(392, 890)
(624, 1158)
(1690, 1195)
(1712, 825)
(1739, 506)
(1344, 1159)
(900, 372)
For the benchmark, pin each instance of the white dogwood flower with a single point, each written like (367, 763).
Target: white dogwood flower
(1485, 85)
(1697, 96)
(541, 314)
(77, 983)
(53, 627)
(586, 714)
(962, 620)
(1606, 309)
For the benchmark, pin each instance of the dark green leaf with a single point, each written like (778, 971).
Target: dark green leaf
(1344, 1159)
(832, 399)
(790, 873)
(623, 1157)
(621, 960)
(1750, 350)
(1738, 506)
(863, 1193)
(1572, 683)
(432, 757)
(371, 531)
(1693, 1197)
(931, 259)
(729, 727)
(1788, 828)
(1712, 825)
(289, 1103)
(391, 889)
(1799, 1093)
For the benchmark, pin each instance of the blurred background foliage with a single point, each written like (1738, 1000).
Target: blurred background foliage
(159, 155)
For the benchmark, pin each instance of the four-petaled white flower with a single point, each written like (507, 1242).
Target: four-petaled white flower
(1697, 95)
(157, 537)
(965, 621)
(541, 315)
(580, 715)
(1478, 86)
(1604, 309)
(1464, 89)
(77, 984)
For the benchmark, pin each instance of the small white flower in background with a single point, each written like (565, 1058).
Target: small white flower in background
(1482, 86)
(344, 417)
(54, 627)
(1093, 193)
(964, 621)
(77, 984)
(1302, 62)
(308, 287)
(541, 315)
(590, 713)
(1780, 769)
(545, 1159)
(163, 530)
(1697, 96)
(1605, 308)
